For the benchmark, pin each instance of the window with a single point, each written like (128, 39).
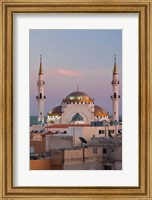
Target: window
(64, 132)
(94, 150)
(77, 117)
(101, 131)
(111, 131)
(114, 95)
(104, 150)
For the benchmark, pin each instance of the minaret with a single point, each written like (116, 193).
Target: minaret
(115, 97)
(40, 98)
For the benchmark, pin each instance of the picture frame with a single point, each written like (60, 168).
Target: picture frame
(8, 9)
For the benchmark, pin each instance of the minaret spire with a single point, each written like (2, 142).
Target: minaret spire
(115, 66)
(41, 69)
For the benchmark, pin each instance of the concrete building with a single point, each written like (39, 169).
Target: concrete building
(37, 144)
(97, 157)
(62, 135)
(100, 153)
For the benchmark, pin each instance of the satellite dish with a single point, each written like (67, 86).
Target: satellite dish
(83, 140)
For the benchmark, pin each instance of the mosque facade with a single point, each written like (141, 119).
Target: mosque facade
(77, 107)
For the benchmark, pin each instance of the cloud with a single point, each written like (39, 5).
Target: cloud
(99, 72)
(68, 72)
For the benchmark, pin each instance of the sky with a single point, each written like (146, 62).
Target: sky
(72, 57)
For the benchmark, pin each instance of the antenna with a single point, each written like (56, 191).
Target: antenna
(41, 58)
(77, 87)
(115, 58)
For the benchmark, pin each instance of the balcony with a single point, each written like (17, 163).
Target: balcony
(39, 97)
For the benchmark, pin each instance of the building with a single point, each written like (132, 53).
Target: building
(99, 154)
(77, 107)
(104, 156)
(62, 136)
(77, 116)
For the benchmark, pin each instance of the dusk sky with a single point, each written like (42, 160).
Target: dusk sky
(71, 57)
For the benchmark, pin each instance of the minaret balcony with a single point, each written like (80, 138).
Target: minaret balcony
(115, 82)
(115, 97)
(38, 97)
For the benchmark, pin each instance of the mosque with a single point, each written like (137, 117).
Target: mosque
(77, 107)
(78, 135)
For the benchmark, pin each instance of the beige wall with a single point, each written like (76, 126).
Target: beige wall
(83, 159)
(57, 142)
(78, 159)
(56, 160)
(39, 146)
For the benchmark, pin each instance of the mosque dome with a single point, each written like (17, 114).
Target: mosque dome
(78, 96)
(57, 111)
(99, 112)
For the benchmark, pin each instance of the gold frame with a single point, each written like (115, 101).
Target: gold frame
(7, 9)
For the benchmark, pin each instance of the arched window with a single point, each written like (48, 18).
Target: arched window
(77, 117)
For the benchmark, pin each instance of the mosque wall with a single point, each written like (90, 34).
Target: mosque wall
(84, 110)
